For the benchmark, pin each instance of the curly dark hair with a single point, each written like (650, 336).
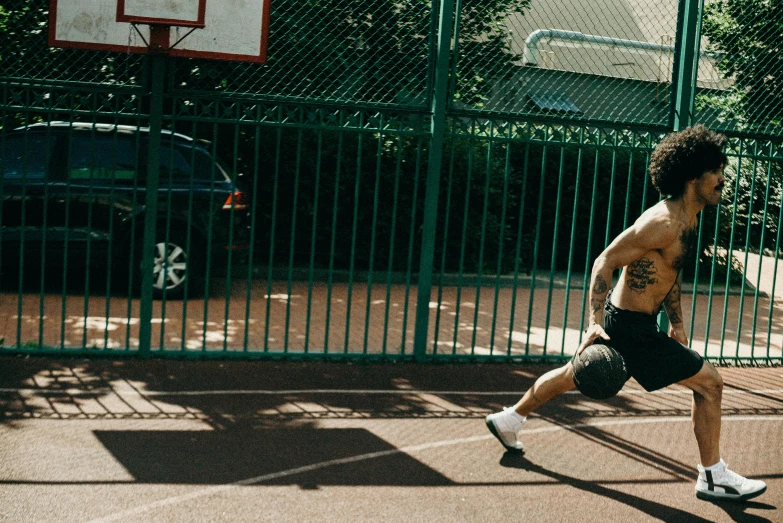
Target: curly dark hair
(685, 156)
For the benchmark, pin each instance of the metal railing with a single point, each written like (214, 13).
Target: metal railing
(396, 192)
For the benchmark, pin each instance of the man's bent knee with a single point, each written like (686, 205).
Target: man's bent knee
(567, 374)
(707, 382)
(555, 382)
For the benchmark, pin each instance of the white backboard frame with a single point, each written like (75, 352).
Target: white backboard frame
(228, 34)
(185, 13)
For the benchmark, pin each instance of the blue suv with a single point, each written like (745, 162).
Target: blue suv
(72, 193)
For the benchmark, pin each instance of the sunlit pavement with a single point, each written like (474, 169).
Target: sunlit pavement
(359, 319)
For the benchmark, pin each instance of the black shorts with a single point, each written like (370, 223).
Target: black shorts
(653, 358)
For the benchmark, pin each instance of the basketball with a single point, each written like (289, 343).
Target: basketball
(599, 372)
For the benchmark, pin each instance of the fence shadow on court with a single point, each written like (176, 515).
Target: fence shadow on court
(267, 393)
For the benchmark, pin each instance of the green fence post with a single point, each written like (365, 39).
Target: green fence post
(151, 202)
(686, 69)
(686, 63)
(437, 130)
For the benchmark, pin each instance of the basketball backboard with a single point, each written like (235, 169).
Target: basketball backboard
(220, 30)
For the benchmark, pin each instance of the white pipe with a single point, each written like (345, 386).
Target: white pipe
(530, 53)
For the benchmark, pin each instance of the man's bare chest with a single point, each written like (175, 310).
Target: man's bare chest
(657, 269)
(683, 250)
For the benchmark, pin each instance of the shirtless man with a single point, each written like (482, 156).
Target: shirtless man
(687, 168)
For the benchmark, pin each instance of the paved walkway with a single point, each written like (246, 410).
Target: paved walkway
(194, 441)
(378, 319)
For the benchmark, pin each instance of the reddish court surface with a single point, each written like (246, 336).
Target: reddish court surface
(193, 441)
(361, 319)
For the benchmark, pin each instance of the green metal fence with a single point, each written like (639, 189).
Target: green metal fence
(394, 192)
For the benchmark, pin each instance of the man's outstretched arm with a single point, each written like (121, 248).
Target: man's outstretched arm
(648, 233)
(600, 283)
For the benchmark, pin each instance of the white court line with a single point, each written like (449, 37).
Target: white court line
(126, 392)
(373, 455)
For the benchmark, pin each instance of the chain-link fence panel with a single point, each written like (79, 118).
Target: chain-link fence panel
(367, 51)
(741, 90)
(25, 53)
(339, 51)
(608, 61)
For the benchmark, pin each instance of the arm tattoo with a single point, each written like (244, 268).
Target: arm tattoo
(596, 305)
(600, 287)
(672, 303)
(641, 273)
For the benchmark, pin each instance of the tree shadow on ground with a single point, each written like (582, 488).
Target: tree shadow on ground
(222, 393)
(265, 393)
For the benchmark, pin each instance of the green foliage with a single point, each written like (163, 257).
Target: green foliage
(365, 51)
(369, 51)
(25, 51)
(336, 223)
(716, 270)
(484, 48)
(485, 191)
(746, 36)
(753, 195)
(335, 49)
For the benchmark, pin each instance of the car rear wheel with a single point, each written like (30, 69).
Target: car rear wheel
(170, 268)
(174, 268)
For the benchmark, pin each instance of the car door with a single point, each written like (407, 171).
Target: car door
(100, 191)
(25, 160)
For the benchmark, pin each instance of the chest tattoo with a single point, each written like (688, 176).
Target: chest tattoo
(688, 241)
(641, 273)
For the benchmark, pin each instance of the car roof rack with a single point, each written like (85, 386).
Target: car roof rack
(103, 127)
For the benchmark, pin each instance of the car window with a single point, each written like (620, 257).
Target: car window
(25, 156)
(102, 158)
(204, 166)
(181, 161)
(173, 162)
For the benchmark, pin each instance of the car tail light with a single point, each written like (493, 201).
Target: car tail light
(238, 200)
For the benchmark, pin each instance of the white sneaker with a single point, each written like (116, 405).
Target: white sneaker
(724, 484)
(505, 427)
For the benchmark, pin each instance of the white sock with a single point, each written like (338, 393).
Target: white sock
(717, 465)
(515, 414)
